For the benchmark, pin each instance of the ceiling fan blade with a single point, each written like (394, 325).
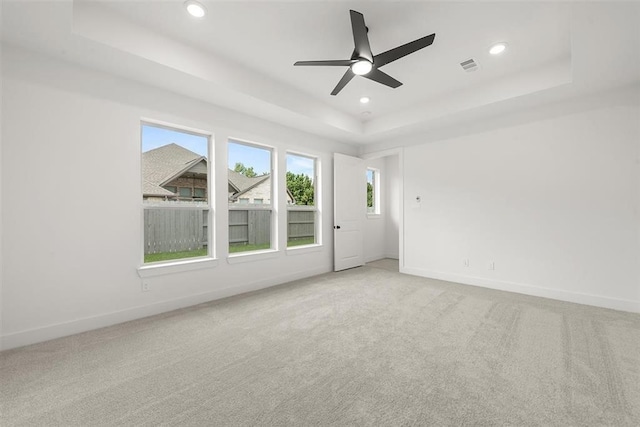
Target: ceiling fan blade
(404, 50)
(380, 77)
(360, 38)
(337, 62)
(343, 81)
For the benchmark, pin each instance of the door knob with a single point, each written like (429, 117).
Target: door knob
(337, 227)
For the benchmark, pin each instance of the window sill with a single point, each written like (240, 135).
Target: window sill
(374, 216)
(152, 270)
(299, 250)
(238, 258)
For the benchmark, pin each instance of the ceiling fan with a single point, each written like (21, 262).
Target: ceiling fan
(366, 64)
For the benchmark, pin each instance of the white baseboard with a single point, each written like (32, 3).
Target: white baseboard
(46, 333)
(557, 294)
(373, 258)
(381, 256)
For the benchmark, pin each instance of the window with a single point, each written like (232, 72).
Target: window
(185, 193)
(199, 193)
(250, 197)
(302, 212)
(373, 191)
(174, 162)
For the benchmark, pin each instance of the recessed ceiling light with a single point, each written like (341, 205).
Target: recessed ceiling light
(365, 100)
(195, 8)
(497, 48)
(361, 67)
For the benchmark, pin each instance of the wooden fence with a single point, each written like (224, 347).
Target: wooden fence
(300, 224)
(250, 226)
(175, 230)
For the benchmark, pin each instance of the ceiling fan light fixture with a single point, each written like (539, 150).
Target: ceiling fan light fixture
(195, 8)
(365, 100)
(361, 67)
(498, 48)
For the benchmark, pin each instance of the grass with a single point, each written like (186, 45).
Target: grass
(166, 256)
(245, 247)
(233, 248)
(301, 241)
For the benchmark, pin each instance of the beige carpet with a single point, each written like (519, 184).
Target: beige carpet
(386, 264)
(367, 346)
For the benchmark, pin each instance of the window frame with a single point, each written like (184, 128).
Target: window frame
(376, 208)
(241, 256)
(316, 202)
(209, 260)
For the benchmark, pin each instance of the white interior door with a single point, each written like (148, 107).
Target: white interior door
(350, 209)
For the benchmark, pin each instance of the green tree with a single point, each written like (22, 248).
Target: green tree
(246, 171)
(301, 187)
(369, 195)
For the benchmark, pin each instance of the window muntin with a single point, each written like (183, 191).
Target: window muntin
(174, 162)
(250, 197)
(302, 212)
(373, 191)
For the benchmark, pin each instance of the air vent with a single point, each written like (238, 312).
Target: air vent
(469, 65)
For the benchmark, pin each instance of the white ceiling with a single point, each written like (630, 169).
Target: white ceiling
(241, 54)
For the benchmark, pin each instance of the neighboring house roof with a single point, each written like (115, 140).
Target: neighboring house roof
(164, 164)
(151, 189)
(242, 183)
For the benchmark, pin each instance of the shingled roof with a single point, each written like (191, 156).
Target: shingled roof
(241, 183)
(163, 164)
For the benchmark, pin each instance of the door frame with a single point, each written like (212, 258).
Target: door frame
(399, 151)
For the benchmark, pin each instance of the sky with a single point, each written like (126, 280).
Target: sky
(259, 159)
(154, 137)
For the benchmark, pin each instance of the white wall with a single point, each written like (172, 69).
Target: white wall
(1, 240)
(394, 186)
(553, 203)
(72, 201)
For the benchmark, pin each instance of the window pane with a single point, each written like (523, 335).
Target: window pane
(301, 196)
(249, 173)
(250, 189)
(372, 191)
(301, 227)
(175, 225)
(199, 192)
(300, 176)
(249, 230)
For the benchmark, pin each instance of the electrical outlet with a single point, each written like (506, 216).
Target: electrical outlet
(466, 262)
(146, 286)
(492, 265)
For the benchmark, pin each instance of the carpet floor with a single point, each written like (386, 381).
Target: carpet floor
(367, 346)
